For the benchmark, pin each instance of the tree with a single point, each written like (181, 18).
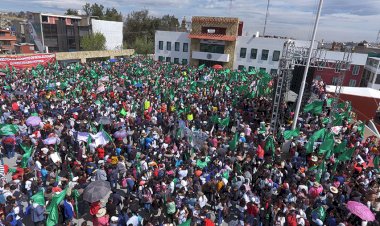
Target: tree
(93, 42)
(169, 23)
(102, 13)
(143, 46)
(71, 12)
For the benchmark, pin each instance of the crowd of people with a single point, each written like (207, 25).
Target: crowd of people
(177, 145)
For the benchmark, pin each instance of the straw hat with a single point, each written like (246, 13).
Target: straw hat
(314, 158)
(334, 190)
(101, 212)
(316, 184)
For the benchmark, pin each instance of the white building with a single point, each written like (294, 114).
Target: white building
(172, 47)
(112, 31)
(371, 75)
(219, 40)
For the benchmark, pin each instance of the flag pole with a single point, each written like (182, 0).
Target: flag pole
(300, 95)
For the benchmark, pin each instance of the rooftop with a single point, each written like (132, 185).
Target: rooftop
(356, 91)
(215, 19)
(64, 16)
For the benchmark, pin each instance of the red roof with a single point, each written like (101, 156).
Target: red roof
(213, 37)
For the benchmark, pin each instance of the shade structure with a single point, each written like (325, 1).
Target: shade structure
(120, 134)
(96, 191)
(217, 67)
(360, 210)
(33, 121)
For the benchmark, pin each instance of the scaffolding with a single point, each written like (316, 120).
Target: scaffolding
(293, 56)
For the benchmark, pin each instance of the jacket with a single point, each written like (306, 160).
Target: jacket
(37, 213)
(68, 210)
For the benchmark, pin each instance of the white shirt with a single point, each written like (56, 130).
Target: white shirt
(202, 201)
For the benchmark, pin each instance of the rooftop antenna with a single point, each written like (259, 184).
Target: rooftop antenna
(266, 18)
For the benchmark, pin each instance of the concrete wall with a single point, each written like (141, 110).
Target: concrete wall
(173, 37)
(84, 55)
(112, 31)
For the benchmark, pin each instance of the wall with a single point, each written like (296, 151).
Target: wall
(169, 36)
(260, 43)
(112, 31)
(327, 75)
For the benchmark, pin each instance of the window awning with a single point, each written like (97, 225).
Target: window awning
(213, 37)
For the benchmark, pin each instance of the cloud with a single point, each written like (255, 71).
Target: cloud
(341, 19)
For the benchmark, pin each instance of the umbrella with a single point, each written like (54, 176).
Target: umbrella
(360, 210)
(96, 191)
(120, 134)
(138, 85)
(120, 89)
(217, 67)
(104, 120)
(113, 60)
(33, 121)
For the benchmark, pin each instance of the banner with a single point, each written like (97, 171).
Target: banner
(22, 62)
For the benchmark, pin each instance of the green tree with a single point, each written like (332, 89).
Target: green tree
(101, 12)
(113, 15)
(87, 9)
(97, 10)
(143, 46)
(93, 42)
(71, 12)
(169, 23)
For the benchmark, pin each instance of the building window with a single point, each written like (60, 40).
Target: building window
(176, 46)
(335, 81)
(352, 83)
(161, 45)
(263, 69)
(251, 68)
(338, 67)
(243, 52)
(2, 33)
(355, 70)
(176, 60)
(276, 55)
(273, 71)
(253, 53)
(44, 19)
(241, 67)
(168, 46)
(264, 54)
(168, 59)
(321, 65)
(160, 58)
(377, 79)
(184, 61)
(185, 47)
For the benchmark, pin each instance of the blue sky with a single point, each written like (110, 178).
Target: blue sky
(342, 20)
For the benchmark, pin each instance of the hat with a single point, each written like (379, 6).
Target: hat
(45, 150)
(75, 179)
(242, 134)
(334, 190)
(316, 184)
(314, 158)
(114, 219)
(200, 193)
(101, 212)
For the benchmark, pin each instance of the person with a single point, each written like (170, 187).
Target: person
(101, 219)
(38, 214)
(68, 210)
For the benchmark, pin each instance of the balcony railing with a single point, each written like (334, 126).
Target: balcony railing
(211, 56)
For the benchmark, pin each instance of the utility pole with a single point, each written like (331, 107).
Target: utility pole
(266, 18)
(300, 95)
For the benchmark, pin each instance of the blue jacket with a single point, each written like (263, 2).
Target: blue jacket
(37, 213)
(68, 210)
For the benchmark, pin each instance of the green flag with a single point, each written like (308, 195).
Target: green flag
(327, 145)
(309, 146)
(346, 155)
(26, 155)
(52, 209)
(38, 198)
(376, 162)
(201, 67)
(233, 143)
(186, 223)
(8, 129)
(318, 134)
(361, 128)
(320, 212)
(321, 170)
(123, 112)
(340, 147)
(288, 134)
(314, 107)
(269, 145)
(225, 121)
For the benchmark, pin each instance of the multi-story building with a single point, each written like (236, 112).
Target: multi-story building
(62, 33)
(219, 40)
(371, 74)
(7, 41)
(352, 77)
